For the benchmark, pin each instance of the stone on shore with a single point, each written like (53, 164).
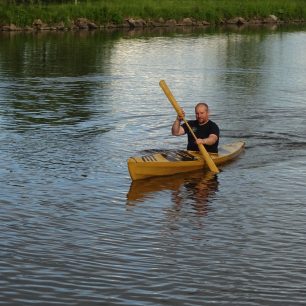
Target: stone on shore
(85, 24)
(236, 20)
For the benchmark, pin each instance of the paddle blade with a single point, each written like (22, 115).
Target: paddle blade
(210, 163)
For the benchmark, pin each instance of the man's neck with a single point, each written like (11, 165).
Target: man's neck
(204, 122)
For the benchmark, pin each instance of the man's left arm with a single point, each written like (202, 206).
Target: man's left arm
(210, 140)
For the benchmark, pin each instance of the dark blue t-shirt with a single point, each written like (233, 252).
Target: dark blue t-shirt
(202, 131)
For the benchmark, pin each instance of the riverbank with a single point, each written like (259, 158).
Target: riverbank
(148, 14)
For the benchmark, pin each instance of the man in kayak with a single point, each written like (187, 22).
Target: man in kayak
(206, 131)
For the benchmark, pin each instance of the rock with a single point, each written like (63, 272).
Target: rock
(82, 23)
(60, 26)
(140, 23)
(255, 21)
(28, 28)
(125, 24)
(92, 26)
(131, 22)
(136, 23)
(202, 23)
(154, 24)
(187, 22)
(271, 19)
(110, 25)
(170, 23)
(39, 25)
(11, 27)
(236, 20)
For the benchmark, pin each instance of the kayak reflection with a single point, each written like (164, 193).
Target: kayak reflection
(193, 188)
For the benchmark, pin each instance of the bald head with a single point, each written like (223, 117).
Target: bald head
(202, 104)
(201, 112)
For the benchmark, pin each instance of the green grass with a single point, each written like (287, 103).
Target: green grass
(104, 11)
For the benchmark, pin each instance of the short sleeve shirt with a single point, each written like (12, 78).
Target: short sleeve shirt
(202, 131)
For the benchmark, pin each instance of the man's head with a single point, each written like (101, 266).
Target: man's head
(202, 112)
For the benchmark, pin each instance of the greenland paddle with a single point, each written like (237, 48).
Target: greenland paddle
(210, 163)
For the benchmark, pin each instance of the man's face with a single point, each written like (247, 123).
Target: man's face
(201, 114)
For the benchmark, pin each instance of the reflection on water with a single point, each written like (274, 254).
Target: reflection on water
(53, 78)
(194, 188)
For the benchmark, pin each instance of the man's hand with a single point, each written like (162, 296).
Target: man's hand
(181, 116)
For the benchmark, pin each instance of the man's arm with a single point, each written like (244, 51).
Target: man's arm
(210, 140)
(177, 130)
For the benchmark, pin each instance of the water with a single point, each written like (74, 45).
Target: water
(76, 231)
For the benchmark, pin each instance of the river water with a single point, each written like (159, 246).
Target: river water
(76, 231)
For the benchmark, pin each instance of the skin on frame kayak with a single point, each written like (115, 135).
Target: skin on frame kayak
(169, 162)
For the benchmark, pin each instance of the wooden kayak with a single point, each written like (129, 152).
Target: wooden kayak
(169, 162)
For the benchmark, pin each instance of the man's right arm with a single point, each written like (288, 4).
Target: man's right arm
(177, 129)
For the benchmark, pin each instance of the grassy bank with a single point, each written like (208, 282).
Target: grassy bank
(104, 11)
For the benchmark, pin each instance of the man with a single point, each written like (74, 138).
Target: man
(206, 131)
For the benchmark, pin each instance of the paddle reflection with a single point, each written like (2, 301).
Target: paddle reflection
(193, 188)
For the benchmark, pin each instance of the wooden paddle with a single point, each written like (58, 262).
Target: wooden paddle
(210, 163)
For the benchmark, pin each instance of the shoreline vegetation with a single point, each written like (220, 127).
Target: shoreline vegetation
(21, 15)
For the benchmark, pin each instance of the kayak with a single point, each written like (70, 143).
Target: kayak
(170, 162)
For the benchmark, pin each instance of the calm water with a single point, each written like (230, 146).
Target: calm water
(74, 230)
